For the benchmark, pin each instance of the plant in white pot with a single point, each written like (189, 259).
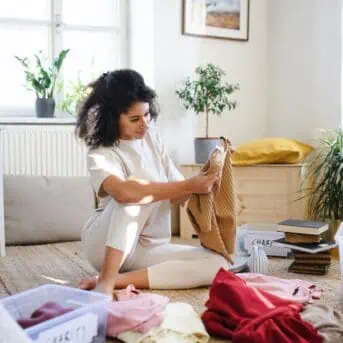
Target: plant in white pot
(41, 79)
(208, 94)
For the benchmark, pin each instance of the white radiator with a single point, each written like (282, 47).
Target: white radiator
(42, 150)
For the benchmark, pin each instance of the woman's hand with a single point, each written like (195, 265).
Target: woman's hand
(202, 184)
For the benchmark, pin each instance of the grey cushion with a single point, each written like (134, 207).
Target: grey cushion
(46, 209)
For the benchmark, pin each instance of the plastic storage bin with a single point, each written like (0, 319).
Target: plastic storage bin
(85, 324)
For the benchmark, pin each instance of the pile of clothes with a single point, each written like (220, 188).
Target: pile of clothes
(138, 317)
(243, 308)
(244, 312)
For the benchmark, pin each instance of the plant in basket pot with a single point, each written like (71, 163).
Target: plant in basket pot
(324, 172)
(208, 94)
(41, 78)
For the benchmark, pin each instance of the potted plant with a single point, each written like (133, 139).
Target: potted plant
(324, 172)
(207, 94)
(77, 91)
(41, 79)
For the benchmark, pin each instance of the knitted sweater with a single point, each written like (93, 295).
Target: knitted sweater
(213, 215)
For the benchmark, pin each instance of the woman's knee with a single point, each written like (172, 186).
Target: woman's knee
(219, 261)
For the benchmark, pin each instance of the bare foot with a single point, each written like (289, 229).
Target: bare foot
(88, 283)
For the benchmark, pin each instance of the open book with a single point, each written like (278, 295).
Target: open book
(311, 248)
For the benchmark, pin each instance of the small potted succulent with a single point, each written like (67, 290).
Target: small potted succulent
(41, 79)
(207, 94)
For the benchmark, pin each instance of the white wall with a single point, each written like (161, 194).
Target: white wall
(141, 38)
(304, 67)
(176, 57)
(289, 71)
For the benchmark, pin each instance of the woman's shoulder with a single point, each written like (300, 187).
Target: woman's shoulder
(154, 136)
(102, 157)
(101, 152)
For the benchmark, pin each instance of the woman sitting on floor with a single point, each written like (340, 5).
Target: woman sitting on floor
(128, 237)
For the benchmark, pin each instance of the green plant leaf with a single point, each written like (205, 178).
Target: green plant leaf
(59, 60)
(325, 172)
(207, 91)
(77, 92)
(39, 78)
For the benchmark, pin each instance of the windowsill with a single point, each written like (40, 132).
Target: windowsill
(36, 121)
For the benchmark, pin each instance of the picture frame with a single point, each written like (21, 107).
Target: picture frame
(220, 19)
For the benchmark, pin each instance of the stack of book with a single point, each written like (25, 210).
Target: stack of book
(312, 254)
(306, 263)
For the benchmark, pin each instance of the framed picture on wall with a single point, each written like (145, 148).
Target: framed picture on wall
(223, 19)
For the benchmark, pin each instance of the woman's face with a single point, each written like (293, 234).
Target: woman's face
(135, 122)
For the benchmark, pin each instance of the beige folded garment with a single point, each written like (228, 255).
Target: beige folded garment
(213, 215)
(181, 324)
(326, 320)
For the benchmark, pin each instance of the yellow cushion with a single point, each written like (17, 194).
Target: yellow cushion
(270, 150)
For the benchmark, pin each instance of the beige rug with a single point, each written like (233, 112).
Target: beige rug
(27, 267)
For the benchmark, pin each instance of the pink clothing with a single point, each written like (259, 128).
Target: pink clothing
(127, 293)
(135, 311)
(293, 289)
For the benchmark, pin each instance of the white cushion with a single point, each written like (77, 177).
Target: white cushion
(46, 209)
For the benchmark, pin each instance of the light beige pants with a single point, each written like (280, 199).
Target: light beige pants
(170, 266)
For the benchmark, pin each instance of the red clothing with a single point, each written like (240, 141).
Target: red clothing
(246, 315)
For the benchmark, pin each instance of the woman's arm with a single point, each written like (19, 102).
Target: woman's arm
(139, 191)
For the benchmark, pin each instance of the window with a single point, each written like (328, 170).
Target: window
(93, 30)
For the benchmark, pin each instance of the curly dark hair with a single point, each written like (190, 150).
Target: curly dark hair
(112, 93)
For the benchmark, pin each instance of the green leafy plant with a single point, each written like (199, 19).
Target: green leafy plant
(39, 76)
(77, 91)
(324, 171)
(322, 181)
(208, 93)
